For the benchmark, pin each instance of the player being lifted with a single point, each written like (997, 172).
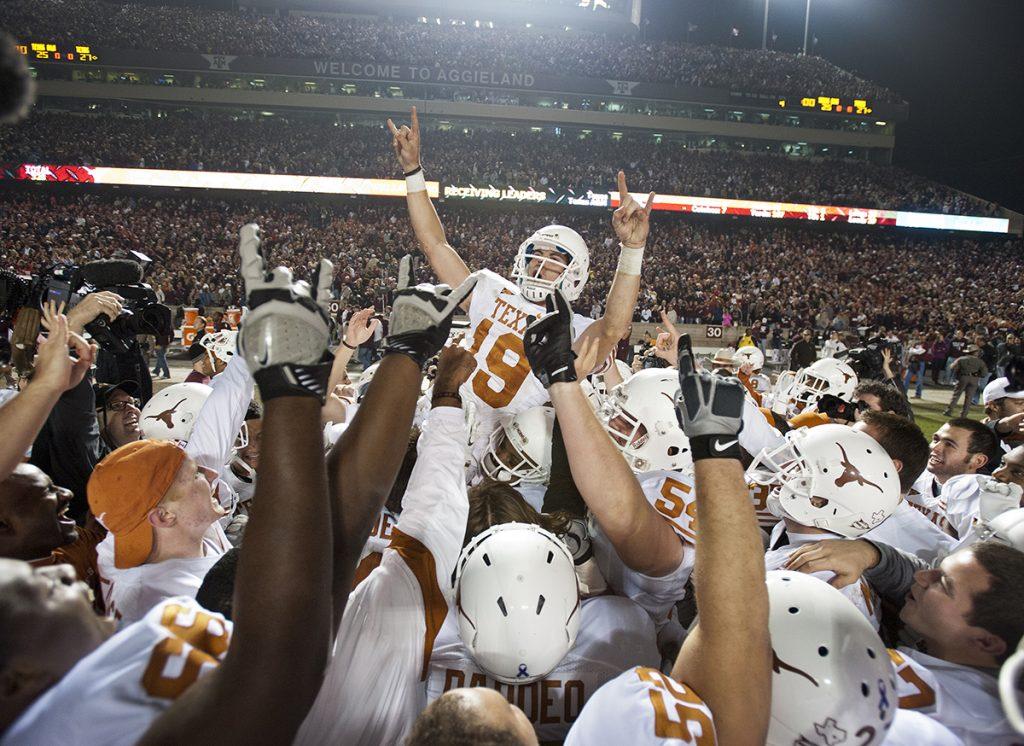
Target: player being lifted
(499, 310)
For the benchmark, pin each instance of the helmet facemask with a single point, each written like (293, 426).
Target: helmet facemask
(504, 462)
(573, 265)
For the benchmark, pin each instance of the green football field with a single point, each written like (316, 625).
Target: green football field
(929, 415)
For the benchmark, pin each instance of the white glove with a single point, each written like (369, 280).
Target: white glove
(284, 335)
(997, 497)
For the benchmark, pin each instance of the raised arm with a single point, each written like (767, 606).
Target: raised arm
(632, 225)
(644, 542)
(55, 372)
(727, 658)
(444, 260)
(282, 610)
(363, 464)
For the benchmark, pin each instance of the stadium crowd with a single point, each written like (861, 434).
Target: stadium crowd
(789, 277)
(217, 142)
(580, 53)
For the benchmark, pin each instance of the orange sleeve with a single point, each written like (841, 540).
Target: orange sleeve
(809, 419)
(435, 605)
(768, 415)
(754, 393)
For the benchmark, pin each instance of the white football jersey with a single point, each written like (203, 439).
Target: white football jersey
(373, 689)
(672, 495)
(533, 494)
(498, 316)
(911, 728)
(909, 530)
(644, 707)
(115, 693)
(964, 699)
(925, 496)
(953, 506)
(861, 594)
(614, 634)
(129, 594)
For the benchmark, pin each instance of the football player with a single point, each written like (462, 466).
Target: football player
(826, 480)
(500, 310)
(963, 617)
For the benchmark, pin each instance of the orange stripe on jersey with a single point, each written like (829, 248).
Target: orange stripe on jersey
(419, 559)
(366, 565)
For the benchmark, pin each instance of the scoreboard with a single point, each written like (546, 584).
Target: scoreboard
(832, 104)
(46, 51)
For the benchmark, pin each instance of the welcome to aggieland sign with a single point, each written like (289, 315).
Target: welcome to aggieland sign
(392, 72)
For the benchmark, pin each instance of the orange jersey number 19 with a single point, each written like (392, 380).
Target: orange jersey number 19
(499, 366)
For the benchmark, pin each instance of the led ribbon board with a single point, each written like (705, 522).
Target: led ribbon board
(156, 177)
(824, 213)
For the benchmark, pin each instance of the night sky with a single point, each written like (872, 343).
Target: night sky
(959, 63)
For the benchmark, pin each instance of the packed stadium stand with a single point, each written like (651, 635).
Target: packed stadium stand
(787, 277)
(411, 42)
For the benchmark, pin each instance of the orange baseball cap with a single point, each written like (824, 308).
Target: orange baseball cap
(124, 487)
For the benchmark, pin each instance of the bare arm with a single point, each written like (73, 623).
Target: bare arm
(642, 539)
(361, 326)
(727, 658)
(632, 225)
(444, 260)
(55, 372)
(363, 464)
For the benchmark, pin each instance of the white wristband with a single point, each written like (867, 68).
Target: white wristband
(630, 260)
(415, 183)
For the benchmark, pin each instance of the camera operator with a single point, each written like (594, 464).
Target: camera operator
(86, 423)
(23, 416)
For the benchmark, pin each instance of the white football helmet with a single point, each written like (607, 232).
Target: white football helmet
(751, 355)
(520, 449)
(577, 264)
(517, 601)
(832, 676)
(640, 417)
(220, 345)
(364, 381)
(825, 376)
(172, 412)
(829, 477)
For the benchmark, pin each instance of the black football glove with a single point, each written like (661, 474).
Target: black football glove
(284, 334)
(422, 315)
(548, 343)
(710, 408)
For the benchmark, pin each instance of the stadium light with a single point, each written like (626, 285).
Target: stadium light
(764, 32)
(807, 25)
